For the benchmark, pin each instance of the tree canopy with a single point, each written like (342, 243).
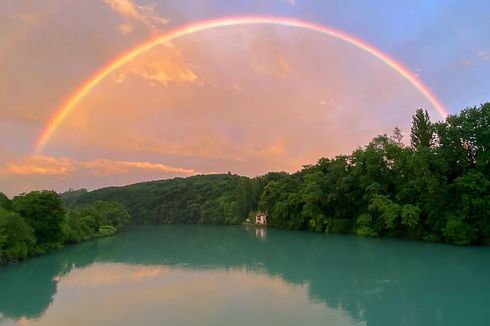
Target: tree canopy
(38, 221)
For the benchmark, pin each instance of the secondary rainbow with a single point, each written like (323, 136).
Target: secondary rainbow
(63, 111)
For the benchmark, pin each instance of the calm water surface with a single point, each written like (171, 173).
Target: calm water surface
(205, 275)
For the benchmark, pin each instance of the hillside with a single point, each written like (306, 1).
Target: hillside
(204, 199)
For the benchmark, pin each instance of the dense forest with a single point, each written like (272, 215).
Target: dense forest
(202, 199)
(36, 222)
(437, 188)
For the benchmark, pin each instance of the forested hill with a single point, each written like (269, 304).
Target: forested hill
(204, 199)
(435, 189)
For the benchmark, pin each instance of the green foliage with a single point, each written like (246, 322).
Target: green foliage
(459, 232)
(410, 215)
(386, 209)
(204, 199)
(365, 226)
(109, 213)
(44, 212)
(16, 236)
(39, 222)
(71, 196)
(338, 225)
(5, 202)
(107, 230)
(98, 219)
(422, 130)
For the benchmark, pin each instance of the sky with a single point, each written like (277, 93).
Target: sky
(241, 98)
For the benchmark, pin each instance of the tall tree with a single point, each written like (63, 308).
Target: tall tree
(44, 212)
(16, 236)
(5, 202)
(422, 130)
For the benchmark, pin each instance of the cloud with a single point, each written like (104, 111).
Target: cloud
(23, 173)
(159, 69)
(283, 67)
(52, 166)
(125, 28)
(136, 14)
(484, 55)
(269, 55)
(477, 58)
(328, 102)
(118, 78)
(275, 65)
(38, 166)
(108, 167)
(156, 73)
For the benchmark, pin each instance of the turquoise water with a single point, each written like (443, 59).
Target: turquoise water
(207, 275)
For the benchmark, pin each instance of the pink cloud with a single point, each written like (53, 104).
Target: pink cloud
(132, 13)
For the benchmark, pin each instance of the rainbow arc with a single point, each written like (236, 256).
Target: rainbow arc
(64, 110)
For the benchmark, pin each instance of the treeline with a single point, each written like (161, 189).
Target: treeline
(435, 189)
(36, 222)
(202, 199)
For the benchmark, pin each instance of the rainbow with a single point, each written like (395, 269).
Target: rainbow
(63, 111)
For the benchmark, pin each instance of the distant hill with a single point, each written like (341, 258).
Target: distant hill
(204, 199)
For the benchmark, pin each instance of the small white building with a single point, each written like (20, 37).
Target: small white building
(261, 218)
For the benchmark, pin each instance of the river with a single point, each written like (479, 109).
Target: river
(225, 275)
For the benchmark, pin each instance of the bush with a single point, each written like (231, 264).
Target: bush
(366, 231)
(338, 225)
(107, 230)
(458, 232)
(16, 236)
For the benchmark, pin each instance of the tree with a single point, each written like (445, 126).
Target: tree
(44, 212)
(5, 202)
(422, 134)
(397, 136)
(110, 213)
(16, 236)
(245, 202)
(469, 209)
(312, 196)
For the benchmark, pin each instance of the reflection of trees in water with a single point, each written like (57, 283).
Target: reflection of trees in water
(27, 288)
(380, 281)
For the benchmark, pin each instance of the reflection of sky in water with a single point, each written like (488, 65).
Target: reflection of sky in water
(117, 294)
(228, 275)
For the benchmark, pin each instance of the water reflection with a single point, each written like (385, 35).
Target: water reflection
(341, 278)
(117, 294)
(260, 231)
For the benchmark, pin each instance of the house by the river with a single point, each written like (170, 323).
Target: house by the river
(260, 218)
